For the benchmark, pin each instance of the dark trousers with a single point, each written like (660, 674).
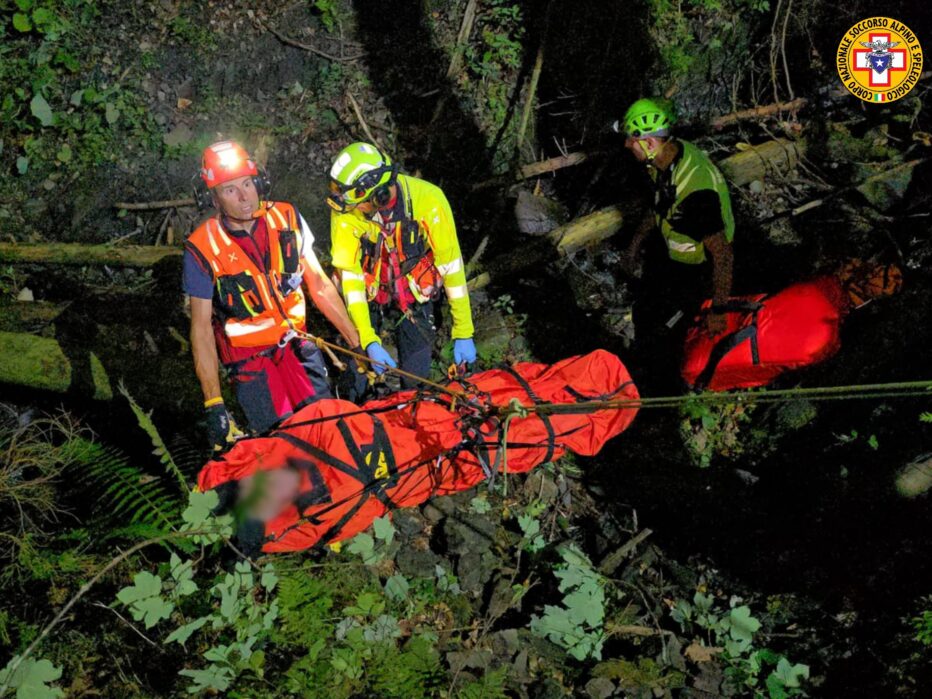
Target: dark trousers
(272, 386)
(666, 305)
(414, 337)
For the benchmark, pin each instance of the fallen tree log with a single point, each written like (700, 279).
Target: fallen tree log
(41, 363)
(758, 112)
(779, 157)
(149, 205)
(80, 254)
(756, 162)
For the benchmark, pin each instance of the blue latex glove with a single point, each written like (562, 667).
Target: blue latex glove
(464, 351)
(377, 353)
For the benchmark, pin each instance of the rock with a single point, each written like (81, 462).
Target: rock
(538, 215)
(25, 294)
(493, 335)
(179, 135)
(476, 658)
(539, 485)
(469, 534)
(474, 570)
(500, 599)
(915, 478)
(505, 643)
(432, 514)
(756, 187)
(549, 689)
(417, 564)
(600, 688)
(409, 523)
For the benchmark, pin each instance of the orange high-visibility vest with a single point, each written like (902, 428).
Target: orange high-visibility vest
(250, 303)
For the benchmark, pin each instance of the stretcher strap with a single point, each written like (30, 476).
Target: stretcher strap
(551, 435)
(726, 345)
(364, 471)
(583, 398)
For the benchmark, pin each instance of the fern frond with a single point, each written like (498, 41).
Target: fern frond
(124, 489)
(145, 422)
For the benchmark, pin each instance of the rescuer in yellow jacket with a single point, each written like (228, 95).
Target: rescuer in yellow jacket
(394, 243)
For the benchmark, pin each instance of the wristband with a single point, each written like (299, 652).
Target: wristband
(210, 403)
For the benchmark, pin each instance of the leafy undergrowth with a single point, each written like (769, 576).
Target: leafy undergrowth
(474, 595)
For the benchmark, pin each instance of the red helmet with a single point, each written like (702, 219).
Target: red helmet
(224, 161)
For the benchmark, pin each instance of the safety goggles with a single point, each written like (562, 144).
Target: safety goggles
(363, 184)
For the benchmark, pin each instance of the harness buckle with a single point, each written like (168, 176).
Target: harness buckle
(286, 338)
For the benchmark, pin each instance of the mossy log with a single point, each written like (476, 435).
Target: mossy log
(80, 254)
(41, 363)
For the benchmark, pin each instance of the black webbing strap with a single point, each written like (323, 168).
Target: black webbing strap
(551, 435)
(738, 306)
(318, 494)
(583, 398)
(726, 345)
(366, 470)
(363, 472)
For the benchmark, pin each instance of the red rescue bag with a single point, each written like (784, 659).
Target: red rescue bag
(359, 462)
(767, 335)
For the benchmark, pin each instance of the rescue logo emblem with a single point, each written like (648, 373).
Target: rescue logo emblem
(879, 60)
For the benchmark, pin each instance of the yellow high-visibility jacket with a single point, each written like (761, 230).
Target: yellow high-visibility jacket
(426, 204)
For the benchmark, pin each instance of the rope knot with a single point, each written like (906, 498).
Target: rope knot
(515, 408)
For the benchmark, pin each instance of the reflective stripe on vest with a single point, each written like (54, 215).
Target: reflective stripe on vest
(692, 172)
(248, 300)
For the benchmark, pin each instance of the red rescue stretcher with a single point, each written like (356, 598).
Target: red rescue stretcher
(357, 463)
(768, 335)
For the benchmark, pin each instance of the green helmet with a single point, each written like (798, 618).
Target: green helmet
(358, 170)
(649, 115)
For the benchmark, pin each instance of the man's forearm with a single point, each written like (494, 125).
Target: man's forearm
(722, 266)
(206, 362)
(328, 301)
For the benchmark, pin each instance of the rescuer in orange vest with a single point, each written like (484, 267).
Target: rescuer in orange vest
(243, 270)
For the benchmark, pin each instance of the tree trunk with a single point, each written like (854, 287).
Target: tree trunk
(756, 162)
(79, 254)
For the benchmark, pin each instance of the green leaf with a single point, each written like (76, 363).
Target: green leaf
(144, 585)
(213, 678)
(383, 628)
(22, 165)
(183, 633)
(872, 442)
(383, 529)
(21, 22)
(42, 17)
(363, 545)
(396, 587)
(151, 611)
(25, 5)
(790, 674)
(64, 154)
(41, 110)
(742, 626)
(269, 580)
(144, 599)
(31, 679)
(111, 113)
(480, 505)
